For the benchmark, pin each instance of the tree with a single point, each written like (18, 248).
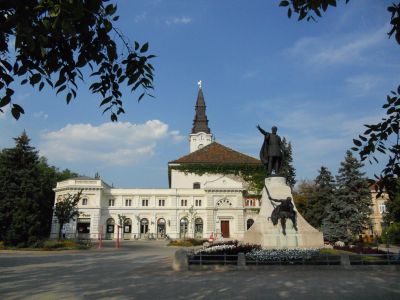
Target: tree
(349, 212)
(49, 176)
(301, 196)
(26, 194)
(66, 209)
(321, 197)
(22, 208)
(55, 42)
(393, 203)
(287, 169)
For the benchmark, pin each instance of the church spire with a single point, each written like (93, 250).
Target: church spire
(200, 122)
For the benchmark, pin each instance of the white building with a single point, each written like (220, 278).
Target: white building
(193, 206)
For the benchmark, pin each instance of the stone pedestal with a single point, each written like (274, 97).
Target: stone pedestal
(264, 233)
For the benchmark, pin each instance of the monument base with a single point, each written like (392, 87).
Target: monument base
(264, 233)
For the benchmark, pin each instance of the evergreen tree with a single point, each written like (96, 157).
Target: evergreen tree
(26, 193)
(349, 212)
(287, 169)
(320, 199)
(21, 219)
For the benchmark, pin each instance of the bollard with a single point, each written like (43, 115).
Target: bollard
(180, 261)
(345, 261)
(241, 262)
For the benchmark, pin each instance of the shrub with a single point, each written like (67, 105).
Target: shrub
(50, 245)
(190, 242)
(2, 247)
(391, 235)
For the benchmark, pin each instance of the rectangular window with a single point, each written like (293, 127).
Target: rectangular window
(145, 202)
(198, 202)
(111, 202)
(183, 202)
(128, 202)
(161, 202)
(382, 208)
(84, 201)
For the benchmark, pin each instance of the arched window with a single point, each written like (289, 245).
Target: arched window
(250, 222)
(84, 201)
(196, 185)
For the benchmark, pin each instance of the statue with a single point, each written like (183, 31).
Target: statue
(271, 152)
(285, 210)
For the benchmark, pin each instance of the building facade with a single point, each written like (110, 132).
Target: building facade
(193, 206)
(377, 222)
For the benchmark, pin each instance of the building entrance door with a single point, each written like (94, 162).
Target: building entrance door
(225, 229)
(127, 229)
(110, 229)
(144, 227)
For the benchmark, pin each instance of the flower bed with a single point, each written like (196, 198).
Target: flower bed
(359, 249)
(229, 248)
(282, 255)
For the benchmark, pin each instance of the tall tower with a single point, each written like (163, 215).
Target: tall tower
(201, 134)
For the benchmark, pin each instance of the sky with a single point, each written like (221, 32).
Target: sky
(318, 82)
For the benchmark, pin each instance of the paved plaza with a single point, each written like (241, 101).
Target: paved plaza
(142, 270)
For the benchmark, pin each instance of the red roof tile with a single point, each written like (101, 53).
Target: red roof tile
(216, 153)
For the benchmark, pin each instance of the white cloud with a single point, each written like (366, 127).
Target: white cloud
(107, 144)
(41, 115)
(325, 50)
(140, 17)
(178, 20)
(362, 85)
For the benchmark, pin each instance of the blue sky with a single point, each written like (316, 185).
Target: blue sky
(318, 82)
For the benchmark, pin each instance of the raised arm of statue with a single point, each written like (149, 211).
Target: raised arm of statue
(262, 130)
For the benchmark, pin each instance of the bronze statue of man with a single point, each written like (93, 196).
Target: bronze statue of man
(285, 210)
(271, 152)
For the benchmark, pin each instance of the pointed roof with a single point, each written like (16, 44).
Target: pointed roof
(216, 153)
(200, 122)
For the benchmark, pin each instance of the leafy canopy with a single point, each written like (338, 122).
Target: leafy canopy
(380, 137)
(56, 40)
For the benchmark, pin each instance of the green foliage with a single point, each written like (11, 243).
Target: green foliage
(391, 235)
(377, 138)
(22, 208)
(287, 169)
(26, 196)
(66, 209)
(393, 203)
(301, 196)
(189, 242)
(349, 212)
(254, 175)
(321, 197)
(308, 9)
(55, 42)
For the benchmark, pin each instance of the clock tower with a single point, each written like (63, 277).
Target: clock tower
(201, 134)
